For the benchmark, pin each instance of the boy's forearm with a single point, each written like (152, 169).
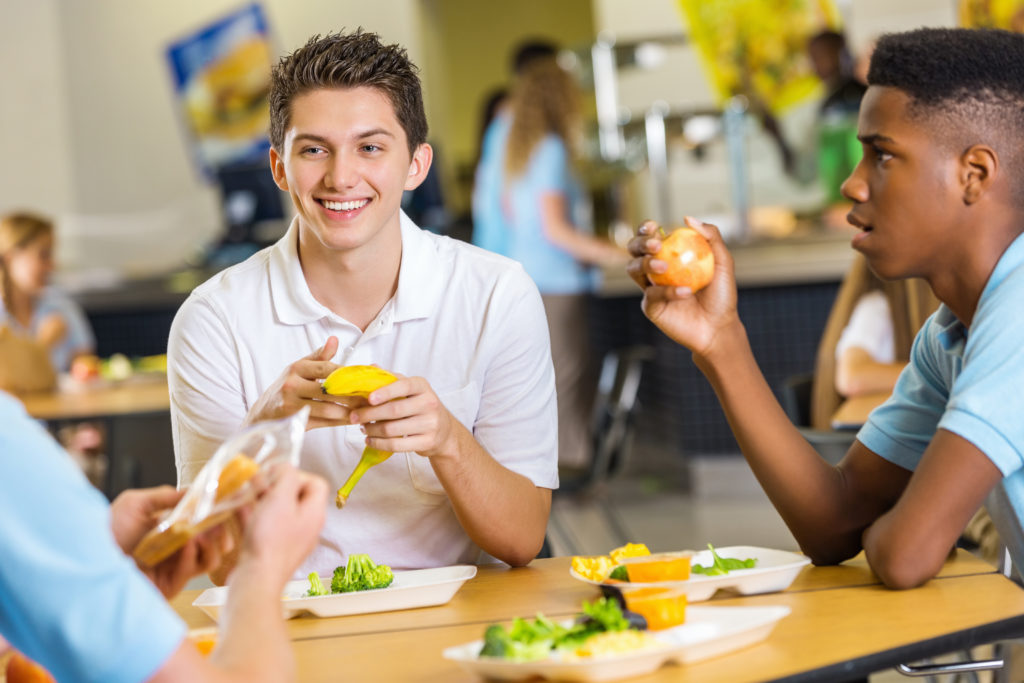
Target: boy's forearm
(504, 513)
(254, 639)
(808, 493)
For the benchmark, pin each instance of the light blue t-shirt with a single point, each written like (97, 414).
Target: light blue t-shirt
(79, 334)
(967, 381)
(69, 598)
(553, 269)
(490, 230)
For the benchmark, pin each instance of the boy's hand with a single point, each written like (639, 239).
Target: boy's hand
(284, 525)
(300, 385)
(407, 415)
(692, 320)
(134, 512)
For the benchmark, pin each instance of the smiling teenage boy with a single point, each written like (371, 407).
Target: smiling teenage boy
(938, 195)
(471, 420)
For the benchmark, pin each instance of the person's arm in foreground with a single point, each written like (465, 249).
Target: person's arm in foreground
(253, 643)
(833, 512)
(502, 511)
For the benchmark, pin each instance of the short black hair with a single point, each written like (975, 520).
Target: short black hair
(531, 50)
(972, 78)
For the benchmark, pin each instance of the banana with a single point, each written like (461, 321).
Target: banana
(356, 380)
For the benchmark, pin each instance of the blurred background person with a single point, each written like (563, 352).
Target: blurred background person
(867, 338)
(546, 211)
(832, 150)
(29, 304)
(32, 308)
(490, 228)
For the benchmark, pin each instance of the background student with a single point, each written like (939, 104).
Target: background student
(547, 213)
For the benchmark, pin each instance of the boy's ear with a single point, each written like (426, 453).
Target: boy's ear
(419, 166)
(979, 168)
(277, 169)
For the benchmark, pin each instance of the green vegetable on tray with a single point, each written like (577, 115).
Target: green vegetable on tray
(360, 574)
(530, 640)
(620, 573)
(722, 565)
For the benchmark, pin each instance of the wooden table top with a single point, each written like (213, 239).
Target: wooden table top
(140, 394)
(841, 617)
(853, 412)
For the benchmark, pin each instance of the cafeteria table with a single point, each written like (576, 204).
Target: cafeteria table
(136, 415)
(843, 625)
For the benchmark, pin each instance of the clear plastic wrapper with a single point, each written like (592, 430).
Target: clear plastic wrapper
(225, 484)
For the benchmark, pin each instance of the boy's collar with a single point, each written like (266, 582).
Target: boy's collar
(420, 278)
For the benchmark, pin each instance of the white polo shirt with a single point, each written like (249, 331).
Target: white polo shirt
(471, 322)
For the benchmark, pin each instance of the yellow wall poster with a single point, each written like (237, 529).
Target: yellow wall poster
(1008, 14)
(222, 80)
(758, 47)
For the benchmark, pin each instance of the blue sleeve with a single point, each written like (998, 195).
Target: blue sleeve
(69, 598)
(900, 429)
(985, 405)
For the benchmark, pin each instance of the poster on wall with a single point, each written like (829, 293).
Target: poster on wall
(222, 82)
(1007, 14)
(758, 47)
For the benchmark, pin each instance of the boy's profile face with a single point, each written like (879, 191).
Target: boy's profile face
(345, 162)
(904, 189)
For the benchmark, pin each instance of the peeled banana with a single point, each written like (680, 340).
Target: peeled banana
(356, 380)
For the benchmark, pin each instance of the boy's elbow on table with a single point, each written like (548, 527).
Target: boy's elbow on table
(902, 566)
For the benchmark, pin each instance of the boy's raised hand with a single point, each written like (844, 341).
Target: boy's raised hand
(283, 527)
(299, 385)
(691, 319)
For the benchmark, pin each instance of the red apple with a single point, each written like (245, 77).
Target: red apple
(690, 260)
(85, 368)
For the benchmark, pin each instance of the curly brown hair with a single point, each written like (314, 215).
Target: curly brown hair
(340, 60)
(545, 100)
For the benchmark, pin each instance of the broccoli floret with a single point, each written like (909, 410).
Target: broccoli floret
(316, 587)
(361, 574)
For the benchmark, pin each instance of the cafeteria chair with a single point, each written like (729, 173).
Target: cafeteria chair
(831, 444)
(1011, 536)
(614, 412)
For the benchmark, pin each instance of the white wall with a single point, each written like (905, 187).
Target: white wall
(34, 117)
(102, 143)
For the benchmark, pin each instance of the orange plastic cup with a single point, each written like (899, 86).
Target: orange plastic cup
(661, 607)
(658, 567)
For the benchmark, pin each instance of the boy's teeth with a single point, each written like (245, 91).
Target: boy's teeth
(344, 206)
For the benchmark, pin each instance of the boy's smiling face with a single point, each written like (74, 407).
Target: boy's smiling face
(905, 190)
(345, 162)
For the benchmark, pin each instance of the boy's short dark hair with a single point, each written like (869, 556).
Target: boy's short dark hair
(971, 79)
(352, 60)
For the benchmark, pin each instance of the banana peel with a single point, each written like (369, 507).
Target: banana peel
(370, 457)
(358, 380)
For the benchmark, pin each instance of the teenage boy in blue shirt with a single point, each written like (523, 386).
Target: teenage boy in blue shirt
(938, 195)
